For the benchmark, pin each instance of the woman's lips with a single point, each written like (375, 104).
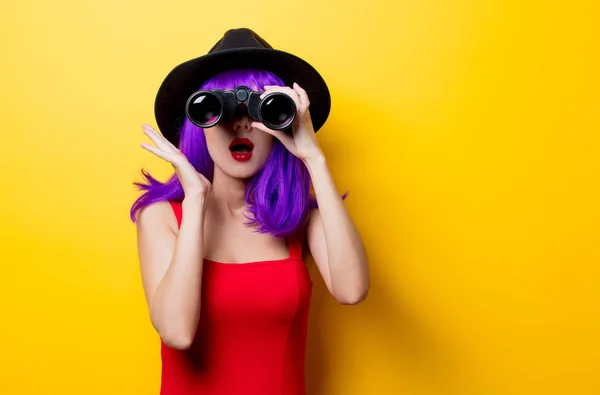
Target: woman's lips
(241, 149)
(241, 156)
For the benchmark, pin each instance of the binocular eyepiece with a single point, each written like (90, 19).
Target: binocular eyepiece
(206, 108)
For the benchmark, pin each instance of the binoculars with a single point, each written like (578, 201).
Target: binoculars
(207, 107)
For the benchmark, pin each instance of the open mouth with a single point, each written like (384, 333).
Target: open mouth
(241, 145)
(241, 149)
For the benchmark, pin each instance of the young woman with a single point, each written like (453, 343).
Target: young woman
(221, 243)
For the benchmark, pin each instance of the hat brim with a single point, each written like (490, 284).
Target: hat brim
(187, 78)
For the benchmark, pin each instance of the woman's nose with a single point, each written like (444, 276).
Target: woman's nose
(242, 123)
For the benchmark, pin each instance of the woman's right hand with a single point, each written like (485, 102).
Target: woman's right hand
(194, 183)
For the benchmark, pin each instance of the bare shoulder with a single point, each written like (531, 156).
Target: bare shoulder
(156, 216)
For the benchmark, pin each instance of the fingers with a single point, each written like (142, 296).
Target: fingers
(163, 149)
(179, 162)
(303, 96)
(261, 126)
(158, 139)
(191, 179)
(297, 93)
(283, 89)
(166, 155)
(278, 134)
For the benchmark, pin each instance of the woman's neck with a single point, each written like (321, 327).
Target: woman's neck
(228, 193)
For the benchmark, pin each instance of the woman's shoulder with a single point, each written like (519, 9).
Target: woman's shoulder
(158, 215)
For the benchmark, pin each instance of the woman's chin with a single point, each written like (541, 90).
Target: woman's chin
(241, 170)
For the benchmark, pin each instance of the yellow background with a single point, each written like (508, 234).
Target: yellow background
(465, 131)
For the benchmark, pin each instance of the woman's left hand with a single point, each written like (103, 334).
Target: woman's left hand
(302, 142)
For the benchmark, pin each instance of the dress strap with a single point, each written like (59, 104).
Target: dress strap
(177, 210)
(295, 246)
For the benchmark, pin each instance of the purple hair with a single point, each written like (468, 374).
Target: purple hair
(278, 196)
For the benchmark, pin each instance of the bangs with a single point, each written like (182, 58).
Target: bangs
(253, 79)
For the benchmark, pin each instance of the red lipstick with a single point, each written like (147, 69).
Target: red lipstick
(241, 149)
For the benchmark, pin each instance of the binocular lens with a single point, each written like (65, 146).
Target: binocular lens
(205, 109)
(278, 111)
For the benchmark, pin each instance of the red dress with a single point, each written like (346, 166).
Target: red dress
(252, 332)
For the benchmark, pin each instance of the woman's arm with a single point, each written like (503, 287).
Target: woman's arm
(334, 241)
(170, 260)
(171, 270)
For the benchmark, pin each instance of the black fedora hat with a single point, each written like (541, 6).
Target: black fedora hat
(238, 48)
